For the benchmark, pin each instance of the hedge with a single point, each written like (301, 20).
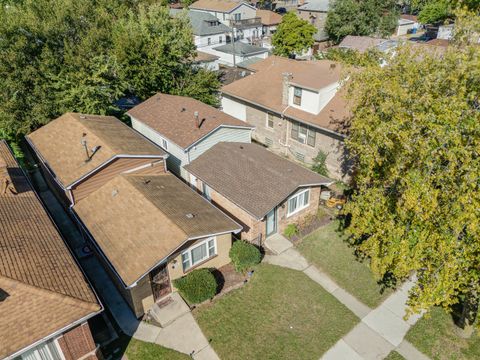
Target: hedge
(197, 286)
(244, 255)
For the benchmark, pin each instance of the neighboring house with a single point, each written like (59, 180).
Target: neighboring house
(206, 61)
(149, 230)
(238, 15)
(298, 111)
(185, 127)
(287, 4)
(45, 299)
(241, 51)
(315, 12)
(404, 27)
(78, 153)
(262, 191)
(445, 32)
(270, 21)
(361, 43)
(208, 31)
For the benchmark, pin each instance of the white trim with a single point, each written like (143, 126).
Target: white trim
(190, 249)
(303, 206)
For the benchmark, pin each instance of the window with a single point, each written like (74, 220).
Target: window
(303, 134)
(270, 120)
(45, 351)
(198, 253)
(207, 192)
(298, 202)
(220, 39)
(297, 96)
(209, 41)
(237, 17)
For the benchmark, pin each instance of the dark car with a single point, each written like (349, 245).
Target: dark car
(281, 11)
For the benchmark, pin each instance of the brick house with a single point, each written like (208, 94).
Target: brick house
(300, 111)
(262, 191)
(315, 12)
(45, 299)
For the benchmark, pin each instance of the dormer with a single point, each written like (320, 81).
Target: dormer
(306, 98)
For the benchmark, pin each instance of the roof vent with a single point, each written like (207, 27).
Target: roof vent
(146, 181)
(190, 216)
(333, 66)
(83, 117)
(114, 192)
(183, 109)
(241, 147)
(197, 120)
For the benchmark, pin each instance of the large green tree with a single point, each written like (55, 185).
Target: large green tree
(83, 55)
(415, 136)
(293, 36)
(361, 17)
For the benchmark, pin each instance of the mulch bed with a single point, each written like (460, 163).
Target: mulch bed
(311, 227)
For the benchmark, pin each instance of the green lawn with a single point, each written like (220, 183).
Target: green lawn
(435, 337)
(326, 249)
(139, 350)
(394, 356)
(279, 314)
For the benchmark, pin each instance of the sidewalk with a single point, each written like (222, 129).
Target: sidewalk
(182, 334)
(380, 331)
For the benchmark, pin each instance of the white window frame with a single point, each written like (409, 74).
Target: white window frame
(298, 208)
(188, 253)
(268, 118)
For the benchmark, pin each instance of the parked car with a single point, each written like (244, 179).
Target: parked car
(281, 11)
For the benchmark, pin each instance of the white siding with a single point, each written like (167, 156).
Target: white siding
(219, 135)
(313, 102)
(234, 108)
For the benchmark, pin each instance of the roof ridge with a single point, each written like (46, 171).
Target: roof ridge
(86, 127)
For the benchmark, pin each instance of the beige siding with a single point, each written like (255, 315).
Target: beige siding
(105, 174)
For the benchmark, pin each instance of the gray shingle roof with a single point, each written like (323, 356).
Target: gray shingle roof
(316, 5)
(241, 49)
(203, 24)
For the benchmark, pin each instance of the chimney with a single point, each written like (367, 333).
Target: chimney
(285, 85)
(6, 184)
(197, 120)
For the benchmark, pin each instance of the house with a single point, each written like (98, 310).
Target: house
(363, 43)
(299, 111)
(270, 21)
(404, 26)
(231, 54)
(78, 153)
(185, 127)
(262, 191)
(315, 12)
(208, 31)
(149, 230)
(238, 15)
(206, 61)
(45, 299)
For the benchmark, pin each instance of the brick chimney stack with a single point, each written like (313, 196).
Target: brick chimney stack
(285, 85)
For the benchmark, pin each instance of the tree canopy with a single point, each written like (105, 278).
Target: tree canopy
(293, 36)
(415, 137)
(361, 17)
(84, 55)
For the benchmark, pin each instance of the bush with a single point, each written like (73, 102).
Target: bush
(244, 255)
(320, 163)
(291, 230)
(197, 286)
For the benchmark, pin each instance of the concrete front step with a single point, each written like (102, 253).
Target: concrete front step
(175, 308)
(277, 243)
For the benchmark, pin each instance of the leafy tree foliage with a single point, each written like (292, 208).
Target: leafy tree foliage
(352, 57)
(293, 36)
(415, 136)
(320, 163)
(435, 11)
(83, 55)
(361, 17)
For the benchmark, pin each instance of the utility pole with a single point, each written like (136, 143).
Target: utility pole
(233, 46)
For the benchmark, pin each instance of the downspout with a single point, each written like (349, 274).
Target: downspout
(285, 144)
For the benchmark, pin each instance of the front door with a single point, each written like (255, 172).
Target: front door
(272, 222)
(160, 282)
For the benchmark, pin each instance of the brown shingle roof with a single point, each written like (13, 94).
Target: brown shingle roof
(215, 5)
(172, 116)
(205, 57)
(137, 220)
(360, 43)
(309, 74)
(46, 289)
(251, 177)
(60, 144)
(269, 17)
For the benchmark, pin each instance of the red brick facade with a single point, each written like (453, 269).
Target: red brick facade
(78, 344)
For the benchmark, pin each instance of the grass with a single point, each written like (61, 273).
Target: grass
(139, 350)
(435, 336)
(394, 356)
(327, 249)
(279, 314)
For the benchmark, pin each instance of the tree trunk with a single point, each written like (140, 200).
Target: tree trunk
(466, 319)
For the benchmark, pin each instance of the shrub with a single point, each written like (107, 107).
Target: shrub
(197, 286)
(291, 230)
(244, 255)
(320, 163)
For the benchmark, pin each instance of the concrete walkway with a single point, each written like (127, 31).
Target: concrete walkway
(380, 331)
(181, 334)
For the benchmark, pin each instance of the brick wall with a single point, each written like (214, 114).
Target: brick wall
(284, 221)
(277, 137)
(78, 343)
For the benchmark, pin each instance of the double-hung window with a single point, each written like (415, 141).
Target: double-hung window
(199, 253)
(303, 134)
(269, 120)
(298, 202)
(297, 96)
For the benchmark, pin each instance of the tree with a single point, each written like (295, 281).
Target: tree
(320, 163)
(435, 11)
(361, 17)
(293, 36)
(83, 55)
(415, 137)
